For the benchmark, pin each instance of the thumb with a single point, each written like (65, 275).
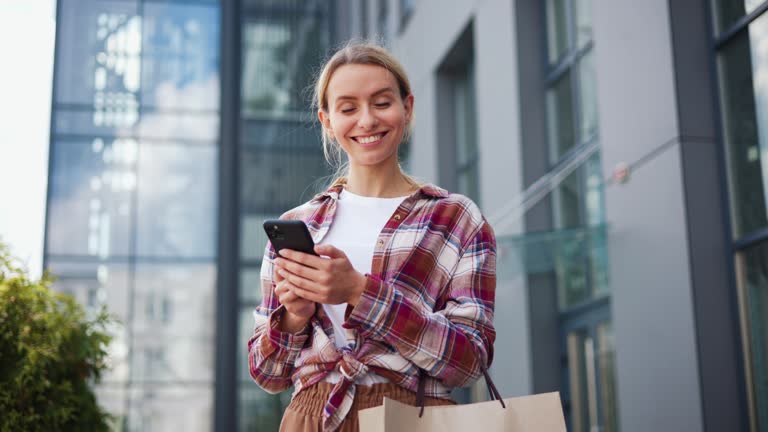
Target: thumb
(329, 251)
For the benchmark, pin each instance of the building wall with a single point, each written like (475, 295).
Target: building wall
(657, 365)
(650, 218)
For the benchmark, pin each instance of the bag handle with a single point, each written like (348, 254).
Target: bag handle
(492, 390)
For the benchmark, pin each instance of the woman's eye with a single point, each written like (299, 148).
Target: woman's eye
(347, 110)
(383, 104)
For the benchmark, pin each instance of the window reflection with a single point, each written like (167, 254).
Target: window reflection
(95, 285)
(172, 331)
(169, 407)
(176, 200)
(752, 278)
(99, 56)
(133, 172)
(92, 183)
(744, 83)
(560, 117)
(279, 53)
(180, 69)
(557, 36)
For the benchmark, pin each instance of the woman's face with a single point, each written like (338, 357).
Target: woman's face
(366, 114)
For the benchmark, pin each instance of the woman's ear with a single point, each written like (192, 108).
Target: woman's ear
(325, 120)
(408, 104)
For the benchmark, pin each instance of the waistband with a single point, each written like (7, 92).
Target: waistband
(312, 400)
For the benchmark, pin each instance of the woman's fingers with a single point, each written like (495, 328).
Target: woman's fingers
(297, 281)
(310, 295)
(298, 269)
(308, 260)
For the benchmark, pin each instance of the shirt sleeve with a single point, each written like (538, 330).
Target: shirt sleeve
(450, 344)
(271, 352)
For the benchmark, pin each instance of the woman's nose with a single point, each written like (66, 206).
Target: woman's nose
(367, 119)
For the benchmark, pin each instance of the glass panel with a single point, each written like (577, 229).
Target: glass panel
(180, 59)
(606, 364)
(464, 117)
(200, 128)
(246, 322)
(583, 21)
(560, 121)
(598, 260)
(250, 285)
(114, 399)
(468, 183)
(752, 276)
(729, 11)
(170, 407)
(102, 48)
(95, 284)
(594, 201)
(363, 19)
(92, 184)
(173, 331)
(745, 118)
(466, 133)
(577, 369)
(588, 98)
(567, 202)
(254, 239)
(96, 122)
(557, 29)
(280, 53)
(177, 201)
(259, 410)
(383, 18)
(274, 181)
(571, 270)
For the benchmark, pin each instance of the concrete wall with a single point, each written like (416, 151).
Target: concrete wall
(656, 357)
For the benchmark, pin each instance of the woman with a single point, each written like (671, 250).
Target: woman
(404, 287)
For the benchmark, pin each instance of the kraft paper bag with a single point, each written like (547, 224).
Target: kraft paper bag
(536, 413)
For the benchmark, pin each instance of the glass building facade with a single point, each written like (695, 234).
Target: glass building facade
(147, 125)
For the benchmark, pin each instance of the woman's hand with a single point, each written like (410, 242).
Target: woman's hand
(298, 311)
(330, 280)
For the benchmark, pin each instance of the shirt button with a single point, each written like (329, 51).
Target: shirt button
(397, 216)
(381, 242)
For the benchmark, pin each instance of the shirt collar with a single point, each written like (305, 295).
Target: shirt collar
(426, 189)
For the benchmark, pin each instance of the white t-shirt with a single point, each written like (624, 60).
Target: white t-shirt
(356, 226)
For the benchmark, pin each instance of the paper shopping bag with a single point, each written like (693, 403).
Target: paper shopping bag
(536, 413)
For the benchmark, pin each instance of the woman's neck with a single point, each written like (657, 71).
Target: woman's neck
(380, 182)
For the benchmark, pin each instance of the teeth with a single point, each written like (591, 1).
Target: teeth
(370, 139)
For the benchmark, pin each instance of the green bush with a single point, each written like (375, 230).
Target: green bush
(51, 354)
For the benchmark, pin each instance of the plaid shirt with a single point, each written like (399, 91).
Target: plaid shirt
(428, 304)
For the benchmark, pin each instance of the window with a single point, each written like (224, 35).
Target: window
(457, 117)
(743, 29)
(406, 10)
(579, 252)
(383, 20)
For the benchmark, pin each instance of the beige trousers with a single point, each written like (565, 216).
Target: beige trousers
(305, 412)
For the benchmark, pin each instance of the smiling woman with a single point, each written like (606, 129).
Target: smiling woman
(403, 291)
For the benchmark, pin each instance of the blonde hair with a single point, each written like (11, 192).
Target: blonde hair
(359, 53)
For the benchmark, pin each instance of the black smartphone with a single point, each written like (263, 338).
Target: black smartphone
(289, 234)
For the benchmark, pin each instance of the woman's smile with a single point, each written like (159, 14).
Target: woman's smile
(370, 140)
